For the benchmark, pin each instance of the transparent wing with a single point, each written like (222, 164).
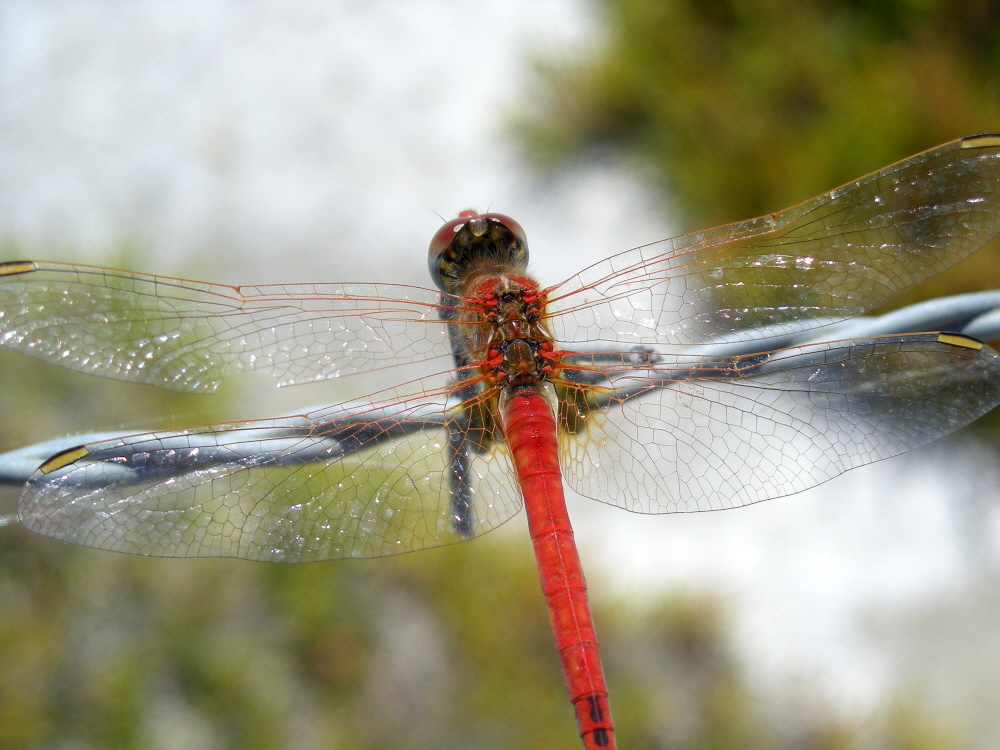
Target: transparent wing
(824, 260)
(365, 479)
(692, 434)
(189, 335)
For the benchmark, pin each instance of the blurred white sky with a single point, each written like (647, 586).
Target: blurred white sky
(298, 141)
(248, 142)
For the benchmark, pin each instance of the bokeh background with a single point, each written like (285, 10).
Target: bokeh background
(248, 142)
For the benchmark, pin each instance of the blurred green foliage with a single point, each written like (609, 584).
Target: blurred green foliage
(447, 648)
(738, 108)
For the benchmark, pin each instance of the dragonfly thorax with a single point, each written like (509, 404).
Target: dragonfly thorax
(504, 332)
(519, 362)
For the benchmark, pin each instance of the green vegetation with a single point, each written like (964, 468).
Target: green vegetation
(738, 108)
(445, 648)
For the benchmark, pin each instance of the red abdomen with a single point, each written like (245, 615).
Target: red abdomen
(530, 431)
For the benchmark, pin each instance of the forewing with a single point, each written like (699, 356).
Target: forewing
(824, 260)
(692, 434)
(365, 479)
(189, 335)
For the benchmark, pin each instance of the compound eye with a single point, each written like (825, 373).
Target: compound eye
(437, 253)
(510, 225)
(496, 238)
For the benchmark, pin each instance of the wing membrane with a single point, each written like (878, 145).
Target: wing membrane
(827, 259)
(691, 435)
(189, 335)
(365, 479)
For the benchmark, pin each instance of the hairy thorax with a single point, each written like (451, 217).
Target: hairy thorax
(505, 337)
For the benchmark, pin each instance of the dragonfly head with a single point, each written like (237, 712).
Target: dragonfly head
(474, 242)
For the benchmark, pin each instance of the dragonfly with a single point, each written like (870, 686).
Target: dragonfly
(659, 380)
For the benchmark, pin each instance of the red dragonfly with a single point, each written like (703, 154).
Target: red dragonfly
(659, 380)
